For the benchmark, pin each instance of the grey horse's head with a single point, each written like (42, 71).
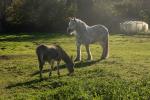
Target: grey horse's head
(72, 25)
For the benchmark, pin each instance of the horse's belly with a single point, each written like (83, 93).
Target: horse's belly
(87, 41)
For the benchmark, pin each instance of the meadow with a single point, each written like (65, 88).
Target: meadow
(124, 75)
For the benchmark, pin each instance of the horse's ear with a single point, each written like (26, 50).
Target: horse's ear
(70, 18)
(74, 18)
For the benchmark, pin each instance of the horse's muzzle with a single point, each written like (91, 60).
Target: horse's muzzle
(69, 30)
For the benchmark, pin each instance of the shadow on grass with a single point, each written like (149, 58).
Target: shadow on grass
(29, 37)
(139, 35)
(85, 64)
(9, 57)
(54, 84)
(25, 83)
(33, 84)
(77, 65)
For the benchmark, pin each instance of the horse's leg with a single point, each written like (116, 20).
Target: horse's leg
(58, 73)
(41, 64)
(105, 47)
(88, 52)
(78, 57)
(51, 67)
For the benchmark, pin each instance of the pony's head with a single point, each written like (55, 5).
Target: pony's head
(70, 66)
(72, 25)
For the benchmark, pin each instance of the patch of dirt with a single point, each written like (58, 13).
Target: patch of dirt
(4, 57)
(8, 57)
(3, 48)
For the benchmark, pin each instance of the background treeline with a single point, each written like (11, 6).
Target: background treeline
(51, 15)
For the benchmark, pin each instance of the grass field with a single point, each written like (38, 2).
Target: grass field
(125, 75)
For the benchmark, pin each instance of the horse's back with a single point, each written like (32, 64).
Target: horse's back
(99, 29)
(48, 52)
(95, 33)
(40, 49)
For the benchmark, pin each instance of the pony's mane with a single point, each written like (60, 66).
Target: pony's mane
(64, 55)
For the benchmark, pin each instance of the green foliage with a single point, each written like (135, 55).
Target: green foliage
(51, 15)
(41, 15)
(135, 9)
(125, 75)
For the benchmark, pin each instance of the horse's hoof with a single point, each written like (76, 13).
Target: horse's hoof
(49, 76)
(55, 68)
(41, 79)
(103, 58)
(77, 60)
(70, 74)
(88, 60)
(58, 74)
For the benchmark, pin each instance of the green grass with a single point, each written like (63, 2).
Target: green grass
(125, 75)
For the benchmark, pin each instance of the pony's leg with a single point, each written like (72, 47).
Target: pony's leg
(105, 52)
(58, 73)
(41, 64)
(88, 52)
(78, 57)
(51, 67)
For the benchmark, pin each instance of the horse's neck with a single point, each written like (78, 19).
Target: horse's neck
(82, 32)
(65, 57)
(82, 29)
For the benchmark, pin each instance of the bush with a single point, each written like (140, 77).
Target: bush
(33, 15)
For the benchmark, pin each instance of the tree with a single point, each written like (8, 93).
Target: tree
(3, 6)
(38, 15)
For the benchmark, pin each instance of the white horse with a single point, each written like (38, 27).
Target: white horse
(133, 27)
(86, 35)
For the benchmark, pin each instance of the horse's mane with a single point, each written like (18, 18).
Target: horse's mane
(56, 45)
(81, 22)
(64, 55)
(81, 26)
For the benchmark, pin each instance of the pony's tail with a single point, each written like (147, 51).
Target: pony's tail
(40, 54)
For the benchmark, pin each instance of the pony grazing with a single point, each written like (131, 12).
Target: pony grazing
(53, 53)
(87, 35)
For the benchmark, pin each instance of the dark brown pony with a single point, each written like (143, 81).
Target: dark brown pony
(53, 53)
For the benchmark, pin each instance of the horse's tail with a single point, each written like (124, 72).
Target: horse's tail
(39, 52)
(107, 45)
